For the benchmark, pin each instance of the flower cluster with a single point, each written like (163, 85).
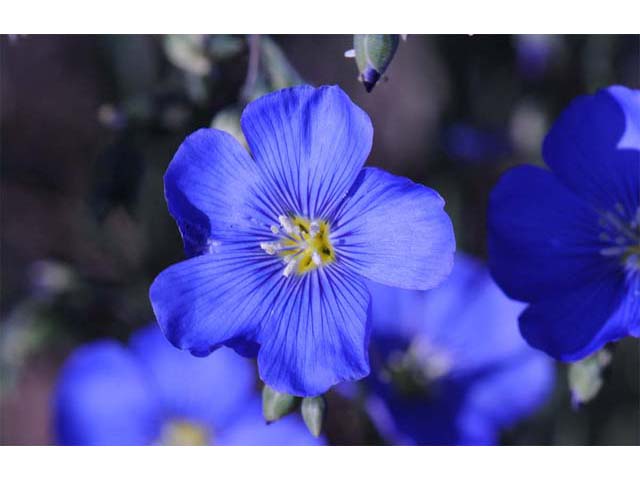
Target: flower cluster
(318, 266)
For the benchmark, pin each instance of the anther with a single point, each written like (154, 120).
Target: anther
(314, 228)
(271, 247)
(291, 265)
(288, 225)
(612, 251)
(302, 244)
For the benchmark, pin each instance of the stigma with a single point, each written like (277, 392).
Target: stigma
(303, 245)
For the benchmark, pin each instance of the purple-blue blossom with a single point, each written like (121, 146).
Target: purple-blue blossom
(566, 240)
(150, 393)
(450, 367)
(282, 239)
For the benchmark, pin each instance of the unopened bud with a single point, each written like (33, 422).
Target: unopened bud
(313, 412)
(276, 405)
(373, 55)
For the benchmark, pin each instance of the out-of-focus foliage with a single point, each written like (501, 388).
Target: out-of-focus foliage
(586, 376)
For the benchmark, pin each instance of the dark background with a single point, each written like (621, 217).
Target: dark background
(90, 123)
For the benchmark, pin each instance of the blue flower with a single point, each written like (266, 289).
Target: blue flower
(472, 145)
(451, 367)
(567, 240)
(535, 54)
(151, 393)
(282, 240)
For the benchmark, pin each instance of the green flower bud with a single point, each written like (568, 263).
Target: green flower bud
(313, 412)
(373, 55)
(585, 377)
(276, 405)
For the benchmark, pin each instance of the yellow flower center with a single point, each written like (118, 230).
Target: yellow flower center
(183, 433)
(304, 244)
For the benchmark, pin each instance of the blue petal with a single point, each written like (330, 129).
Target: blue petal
(543, 239)
(210, 189)
(580, 322)
(594, 148)
(504, 396)
(316, 333)
(211, 300)
(208, 390)
(418, 420)
(473, 325)
(309, 144)
(469, 410)
(394, 232)
(312, 329)
(251, 429)
(474, 333)
(102, 398)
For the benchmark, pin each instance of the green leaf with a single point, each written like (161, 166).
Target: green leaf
(228, 120)
(187, 52)
(585, 376)
(313, 412)
(276, 405)
(279, 71)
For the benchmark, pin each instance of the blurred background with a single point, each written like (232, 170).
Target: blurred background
(88, 125)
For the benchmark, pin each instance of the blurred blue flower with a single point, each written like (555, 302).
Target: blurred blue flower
(150, 393)
(567, 240)
(451, 367)
(534, 54)
(469, 144)
(282, 241)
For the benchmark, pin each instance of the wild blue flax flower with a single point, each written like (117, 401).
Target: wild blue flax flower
(150, 393)
(282, 240)
(567, 240)
(450, 365)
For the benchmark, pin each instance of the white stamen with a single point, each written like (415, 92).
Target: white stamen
(612, 251)
(291, 265)
(212, 245)
(604, 237)
(291, 245)
(314, 228)
(271, 247)
(288, 225)
(617, 223)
